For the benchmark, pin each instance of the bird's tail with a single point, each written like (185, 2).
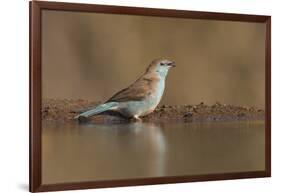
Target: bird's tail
(99, 109)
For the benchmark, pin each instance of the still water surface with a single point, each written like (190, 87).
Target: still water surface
(89, 152)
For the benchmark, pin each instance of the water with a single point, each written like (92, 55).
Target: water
(74, 153)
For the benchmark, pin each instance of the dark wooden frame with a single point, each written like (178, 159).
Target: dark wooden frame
(36, 8)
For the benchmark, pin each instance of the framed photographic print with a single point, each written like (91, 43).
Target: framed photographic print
(123, 96)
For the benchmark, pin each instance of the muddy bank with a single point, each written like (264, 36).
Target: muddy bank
(65, 110)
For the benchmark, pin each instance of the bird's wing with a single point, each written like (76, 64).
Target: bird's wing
(139, 90)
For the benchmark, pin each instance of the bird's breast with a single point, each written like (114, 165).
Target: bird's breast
(155, 96)
(148, 104)
(159, 90)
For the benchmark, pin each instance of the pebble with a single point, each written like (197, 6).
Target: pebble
(188, 114)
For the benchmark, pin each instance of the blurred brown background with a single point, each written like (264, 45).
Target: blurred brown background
(92, 56)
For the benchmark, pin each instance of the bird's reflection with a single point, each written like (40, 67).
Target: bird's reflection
(145, 139)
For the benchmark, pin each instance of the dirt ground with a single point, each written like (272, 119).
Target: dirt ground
(64, 110)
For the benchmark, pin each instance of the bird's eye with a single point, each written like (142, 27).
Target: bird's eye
(162, 64)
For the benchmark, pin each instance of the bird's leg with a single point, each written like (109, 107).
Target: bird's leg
(136, 118)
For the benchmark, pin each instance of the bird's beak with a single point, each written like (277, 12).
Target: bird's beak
(172, 64)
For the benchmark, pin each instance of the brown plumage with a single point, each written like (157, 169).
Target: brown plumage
(141, 88)
(137, 91)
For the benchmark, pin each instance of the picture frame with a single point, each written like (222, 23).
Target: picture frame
(35, 146)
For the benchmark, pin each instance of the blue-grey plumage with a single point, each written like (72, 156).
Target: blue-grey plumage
(141, 97)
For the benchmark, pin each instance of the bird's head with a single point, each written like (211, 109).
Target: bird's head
(160, 67)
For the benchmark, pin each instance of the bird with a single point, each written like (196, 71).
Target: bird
(138, 99)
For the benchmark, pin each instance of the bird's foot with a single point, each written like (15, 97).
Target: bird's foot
(136, 119)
